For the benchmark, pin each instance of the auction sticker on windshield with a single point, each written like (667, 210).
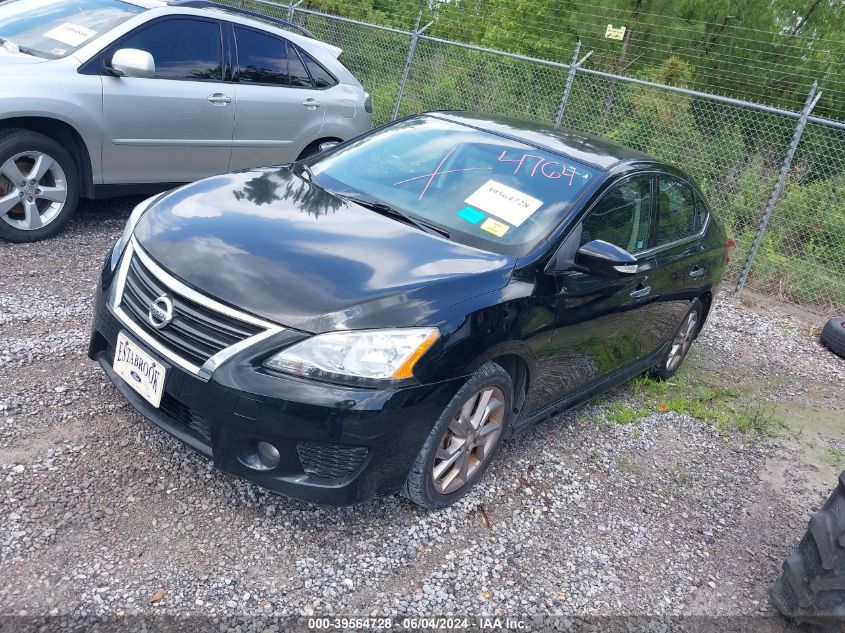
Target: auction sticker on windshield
(139, 370)
(70, 34)
(506, 203)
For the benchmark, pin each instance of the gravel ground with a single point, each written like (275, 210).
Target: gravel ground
(101, 513)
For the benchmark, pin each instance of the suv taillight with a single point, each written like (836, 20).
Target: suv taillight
(368, 102)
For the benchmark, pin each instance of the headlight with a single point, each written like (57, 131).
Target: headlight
(134, 217)
(357, 356)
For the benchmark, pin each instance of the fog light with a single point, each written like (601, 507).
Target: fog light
(261, 456)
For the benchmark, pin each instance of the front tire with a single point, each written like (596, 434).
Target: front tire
(39, 186)
(464, 440)
(681, 342)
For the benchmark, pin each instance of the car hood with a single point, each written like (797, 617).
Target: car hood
(275, 245)
(10, 60)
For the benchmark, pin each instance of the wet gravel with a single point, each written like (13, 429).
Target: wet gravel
(101, 513)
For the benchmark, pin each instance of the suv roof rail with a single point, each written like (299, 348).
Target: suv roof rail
(208, 4)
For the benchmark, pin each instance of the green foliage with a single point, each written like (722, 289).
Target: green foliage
(725, 407)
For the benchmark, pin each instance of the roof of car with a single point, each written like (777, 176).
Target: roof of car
(589, 149)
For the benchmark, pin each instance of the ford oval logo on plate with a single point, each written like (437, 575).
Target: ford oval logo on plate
(160, 312)
(135, 376)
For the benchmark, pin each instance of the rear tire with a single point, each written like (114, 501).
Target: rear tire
(39, 186)
(833, 335)
(456, 453)
(812, 587)
(686, 333)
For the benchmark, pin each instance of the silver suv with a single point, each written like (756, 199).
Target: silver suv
(111, 97)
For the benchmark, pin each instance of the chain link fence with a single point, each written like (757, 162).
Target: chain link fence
(786, 213)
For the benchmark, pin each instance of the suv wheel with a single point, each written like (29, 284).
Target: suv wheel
(39, 186)
(463, 441)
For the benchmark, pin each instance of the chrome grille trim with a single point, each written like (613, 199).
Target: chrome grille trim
(205, 371)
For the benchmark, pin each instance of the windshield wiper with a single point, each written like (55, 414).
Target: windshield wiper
(16, 48)
(386, 209)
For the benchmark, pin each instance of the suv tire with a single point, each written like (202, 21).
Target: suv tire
(39, 186)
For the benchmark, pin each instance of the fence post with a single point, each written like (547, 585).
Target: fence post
(291, 8)
(415, 36)
(570, 79)
(809, 104)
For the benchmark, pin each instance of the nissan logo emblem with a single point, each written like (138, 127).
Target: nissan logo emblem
(160, 312)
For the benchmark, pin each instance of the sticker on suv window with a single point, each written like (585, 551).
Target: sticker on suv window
(70, 34)
(509, 204)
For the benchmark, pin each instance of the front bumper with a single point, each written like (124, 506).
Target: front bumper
(338, 445)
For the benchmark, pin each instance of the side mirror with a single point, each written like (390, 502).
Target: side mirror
(131, 62)
(604, 259)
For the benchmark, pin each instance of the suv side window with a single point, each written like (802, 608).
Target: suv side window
(183, 48)
(262, 58)
(678, 215)
(322, 77)
(622, 217)
(298, 75)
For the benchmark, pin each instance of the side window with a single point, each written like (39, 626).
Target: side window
(622, 217)
(322, 78)
(182, 48)
(298, 75)
(677, 217)
(262, 59)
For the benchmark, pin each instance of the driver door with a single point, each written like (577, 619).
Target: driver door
(598, 319)
(176, 126)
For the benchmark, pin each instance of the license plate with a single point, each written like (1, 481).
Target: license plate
(139, 370)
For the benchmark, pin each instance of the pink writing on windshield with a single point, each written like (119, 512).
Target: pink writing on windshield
(541, 163)
(437, 172)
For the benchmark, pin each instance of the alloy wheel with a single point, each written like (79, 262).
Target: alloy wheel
(469, 440)
(33, 190)
(682, 341)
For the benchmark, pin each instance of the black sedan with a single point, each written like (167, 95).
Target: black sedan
(380, 317)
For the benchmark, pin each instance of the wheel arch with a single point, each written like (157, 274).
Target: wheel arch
(706, 302)
(63, 133)
(517, 361)
(315, 144)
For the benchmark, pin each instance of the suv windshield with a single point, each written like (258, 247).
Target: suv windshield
(485, 190)
(55, 28)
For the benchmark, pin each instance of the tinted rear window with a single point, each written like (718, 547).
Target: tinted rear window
(262, 59)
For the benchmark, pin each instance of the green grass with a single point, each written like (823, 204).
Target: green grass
(725, 407)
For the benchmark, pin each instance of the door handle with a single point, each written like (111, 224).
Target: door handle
(696, 272)
(311, 104)
(641, 292)
(218, 98)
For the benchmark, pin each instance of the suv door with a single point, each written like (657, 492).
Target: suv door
(679, 257)
(176, 126)
(598, 319)
(278, 108)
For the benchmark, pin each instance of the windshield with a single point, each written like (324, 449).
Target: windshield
(55, 28)
(485, 190)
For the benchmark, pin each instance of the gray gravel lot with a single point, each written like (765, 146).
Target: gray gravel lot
(101, 511)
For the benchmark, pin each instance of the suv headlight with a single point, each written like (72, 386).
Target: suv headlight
(131, 223)
(360, 356)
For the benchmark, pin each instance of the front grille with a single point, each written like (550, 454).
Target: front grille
(196, 332)
(329, 461)
(186, 417)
